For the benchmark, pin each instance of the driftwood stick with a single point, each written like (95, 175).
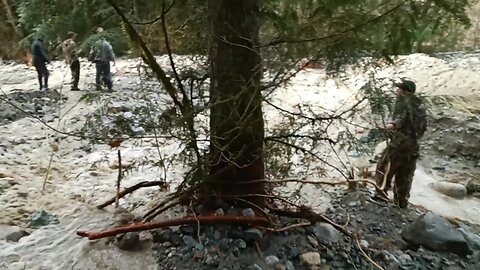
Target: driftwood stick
(131, 190)
(136, 227)
(119, 179)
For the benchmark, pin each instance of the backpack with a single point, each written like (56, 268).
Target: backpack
(420, 123)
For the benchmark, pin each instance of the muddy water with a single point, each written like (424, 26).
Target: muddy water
(58, 247)
(466, 209)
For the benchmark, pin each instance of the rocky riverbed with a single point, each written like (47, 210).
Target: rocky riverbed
(393, 238)
(51, 176)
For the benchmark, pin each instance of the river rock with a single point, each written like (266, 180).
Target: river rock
(11, 233)
(436, 233)
(248, 212)
(129, 241)
(472, 238)
(326, 232)
(311, 259)
(472, 186)
(41, 218)
(253, 235)
(272, 260)
(162, 236)
(453, 190)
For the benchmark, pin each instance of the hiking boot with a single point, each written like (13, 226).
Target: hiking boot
(75, 89)
(401, 203)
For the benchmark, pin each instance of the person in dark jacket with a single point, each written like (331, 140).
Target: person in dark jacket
(400, 157)
(39, 60)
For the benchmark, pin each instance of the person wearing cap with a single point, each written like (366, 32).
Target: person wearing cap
(101, 54)
(39, 60)
(71, 57)
(400, 156)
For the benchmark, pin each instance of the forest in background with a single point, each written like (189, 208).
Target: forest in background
(297, 27)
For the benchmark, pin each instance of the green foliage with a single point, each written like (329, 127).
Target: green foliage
(322, 29)
(114, 35)
(54, 19)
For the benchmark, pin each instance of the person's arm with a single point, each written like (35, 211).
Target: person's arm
(112, 54)
(44, 54)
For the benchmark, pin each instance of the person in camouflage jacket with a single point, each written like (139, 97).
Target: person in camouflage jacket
(399, 159)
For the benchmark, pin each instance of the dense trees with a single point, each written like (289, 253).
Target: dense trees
(412, 26)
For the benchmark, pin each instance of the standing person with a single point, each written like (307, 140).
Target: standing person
(71, 57)
(400, 156)
(39, 60)
(101, 54)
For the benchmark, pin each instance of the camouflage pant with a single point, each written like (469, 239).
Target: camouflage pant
(399, 161)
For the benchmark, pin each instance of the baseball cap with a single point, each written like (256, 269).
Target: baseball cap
(406, 85)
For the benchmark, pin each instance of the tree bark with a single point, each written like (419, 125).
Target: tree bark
(12, 18)
(236, 120)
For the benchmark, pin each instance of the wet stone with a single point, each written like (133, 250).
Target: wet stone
(129, 241)
(248, 212)
(271, 260)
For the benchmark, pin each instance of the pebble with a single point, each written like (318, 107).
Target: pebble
(219, 212)
(271, 260)
(311, 258)
(364, 243)
(257, 267)
(240, 243)
(289, 265)
(217, 235)
(252, 235)
(189, 241)
(248, 212)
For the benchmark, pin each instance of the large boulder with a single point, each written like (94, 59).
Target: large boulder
(453, 190)
(436, 233)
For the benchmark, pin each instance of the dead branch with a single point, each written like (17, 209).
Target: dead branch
(368, 258)
(148, 57)
(131, 190)
(286, 228)
(162, 207)
(119, 178)
(336, 183)
(137, 227)
(164, 13)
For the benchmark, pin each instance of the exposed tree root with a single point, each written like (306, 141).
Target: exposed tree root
(136, 227)
(160, 209)
(131, 190)
(308, 214)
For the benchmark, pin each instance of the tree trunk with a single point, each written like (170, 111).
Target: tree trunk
(12, 18)
(236, 120)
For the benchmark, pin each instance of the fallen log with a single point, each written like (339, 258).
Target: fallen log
(130, 190)
(136, 227)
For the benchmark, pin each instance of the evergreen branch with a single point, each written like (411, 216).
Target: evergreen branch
(279, 41)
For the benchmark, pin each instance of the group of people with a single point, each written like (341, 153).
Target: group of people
(101, 53)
